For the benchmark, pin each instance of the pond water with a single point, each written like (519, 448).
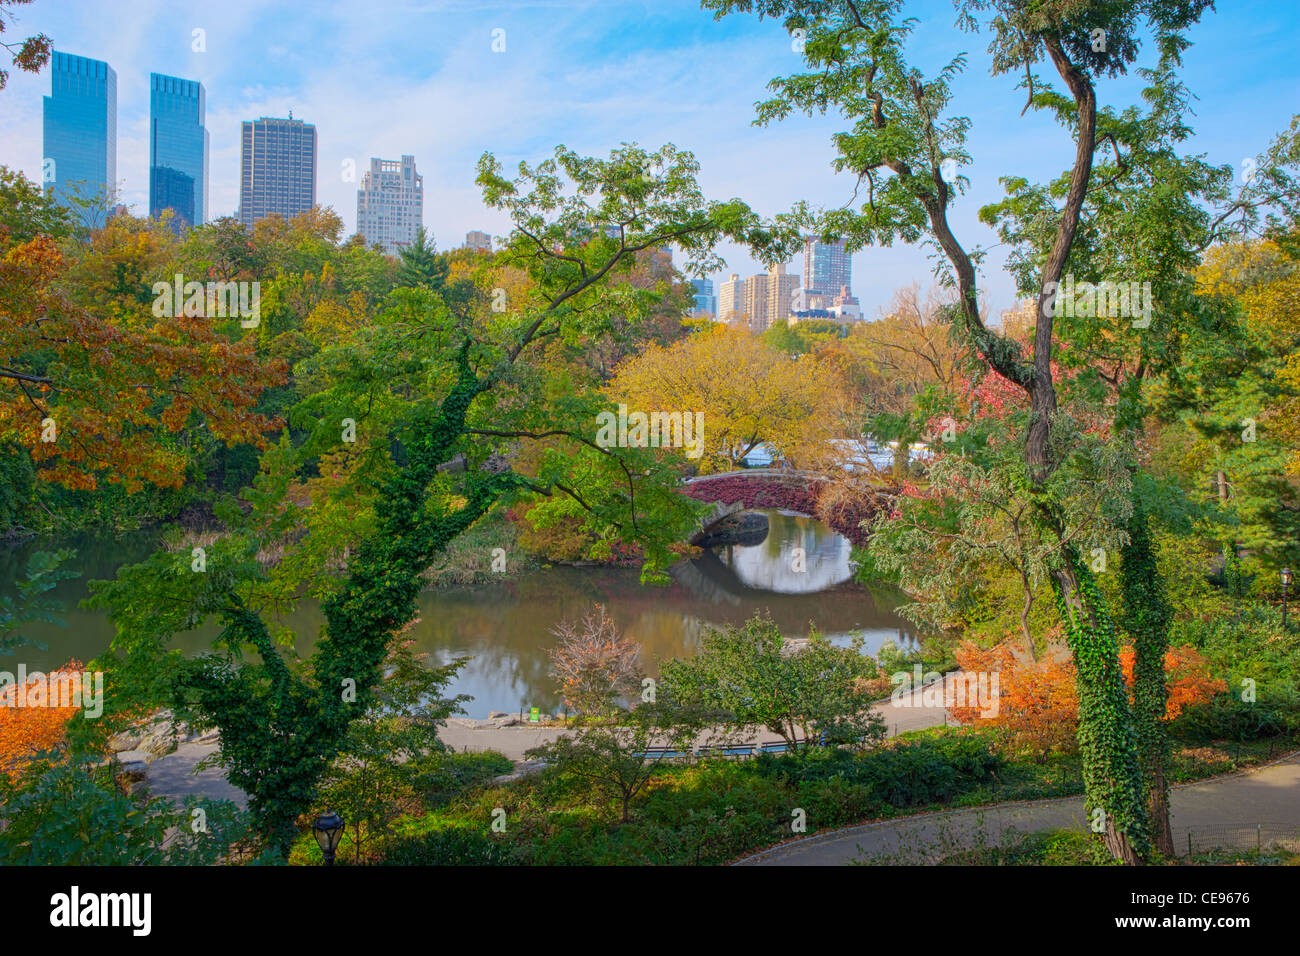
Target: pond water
(506, 627)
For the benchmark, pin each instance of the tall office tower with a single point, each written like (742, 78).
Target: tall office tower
(756, 298)
(781, 290)
(390, 203)
(277, 168)
(479, 241)
(80, 132)
(732, 305)
(178, 150)
(827, 267)
(705, 300)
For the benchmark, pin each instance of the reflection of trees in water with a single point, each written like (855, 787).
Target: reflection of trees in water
(505, 627)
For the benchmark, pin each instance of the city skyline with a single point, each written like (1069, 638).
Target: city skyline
(576, 74)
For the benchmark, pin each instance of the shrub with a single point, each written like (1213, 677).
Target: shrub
(451, 846)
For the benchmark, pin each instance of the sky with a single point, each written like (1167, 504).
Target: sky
(384, 78)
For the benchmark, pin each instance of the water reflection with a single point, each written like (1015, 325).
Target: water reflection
(799, 556)
(506, 627)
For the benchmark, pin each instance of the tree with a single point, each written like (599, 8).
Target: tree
(29, 728)
(1037, 703)
(29, 55)
(898, 147)
(420, 263)
(26, 211)
(747, 392)
(750, 677)
(394, 747)
(612, 756)
(594, 665)
(94, 399)
(427, 387)
(910, 351)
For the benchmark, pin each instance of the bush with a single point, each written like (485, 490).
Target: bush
(1226, 718)
(918, 772)
(452, 846)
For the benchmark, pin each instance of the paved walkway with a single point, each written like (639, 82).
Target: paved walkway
(1269, 795)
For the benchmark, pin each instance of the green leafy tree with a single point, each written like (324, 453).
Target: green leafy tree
(74, 814)
(420, 263)
(753, 679)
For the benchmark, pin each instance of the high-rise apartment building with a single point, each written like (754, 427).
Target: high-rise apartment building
(705, 301)
(756, 299)
(80, 131)
(390, 203)
(781, 290)
(732, 305)
(479, 241)
(827, 267)
(178, 150)
(277, 168)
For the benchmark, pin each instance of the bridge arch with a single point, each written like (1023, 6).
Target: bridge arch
(802, 492)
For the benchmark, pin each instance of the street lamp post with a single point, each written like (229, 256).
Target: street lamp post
(328, 828)
(1286, 586)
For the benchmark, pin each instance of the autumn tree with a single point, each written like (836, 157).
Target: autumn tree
(33, 727)
(30, 54)
(99, 398)
(747, 392)
(594, 665)
(900, 147)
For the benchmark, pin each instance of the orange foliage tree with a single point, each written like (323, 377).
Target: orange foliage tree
(1038, 708)
(26, 731)
(1188, 678)
(1037, 705)
(97, 398)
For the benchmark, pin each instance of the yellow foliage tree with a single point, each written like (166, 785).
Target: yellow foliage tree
(749, 393)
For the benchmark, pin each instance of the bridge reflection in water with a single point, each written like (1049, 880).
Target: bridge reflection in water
(507, 627)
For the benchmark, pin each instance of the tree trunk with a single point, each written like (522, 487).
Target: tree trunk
(1111, 771)
(1146, 617)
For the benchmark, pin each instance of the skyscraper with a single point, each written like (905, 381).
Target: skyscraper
(390, 203)
(827, 268)
(705, 300)
(80, 131)
(277, 168)
(178, 149)
(480, 241)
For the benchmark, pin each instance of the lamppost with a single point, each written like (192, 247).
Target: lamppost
(328, 828)
(1286, 585)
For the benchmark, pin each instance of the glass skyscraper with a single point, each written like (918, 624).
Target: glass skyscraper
(277, 168)
(80, 131)
(827, 267)
(178, 150)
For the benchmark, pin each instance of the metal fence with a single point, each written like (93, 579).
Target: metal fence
(1258, 836)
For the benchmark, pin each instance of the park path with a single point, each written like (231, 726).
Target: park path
(1226, 809)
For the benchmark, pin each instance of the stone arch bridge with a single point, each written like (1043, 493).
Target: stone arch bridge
(803, 492)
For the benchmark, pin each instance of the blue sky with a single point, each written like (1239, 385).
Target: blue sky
(383, 78)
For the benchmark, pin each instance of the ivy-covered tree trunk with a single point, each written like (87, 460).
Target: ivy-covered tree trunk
(280, 731)
(1112, 773)
(1147, 614)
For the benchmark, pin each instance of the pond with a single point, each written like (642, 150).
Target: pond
(506, 626)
